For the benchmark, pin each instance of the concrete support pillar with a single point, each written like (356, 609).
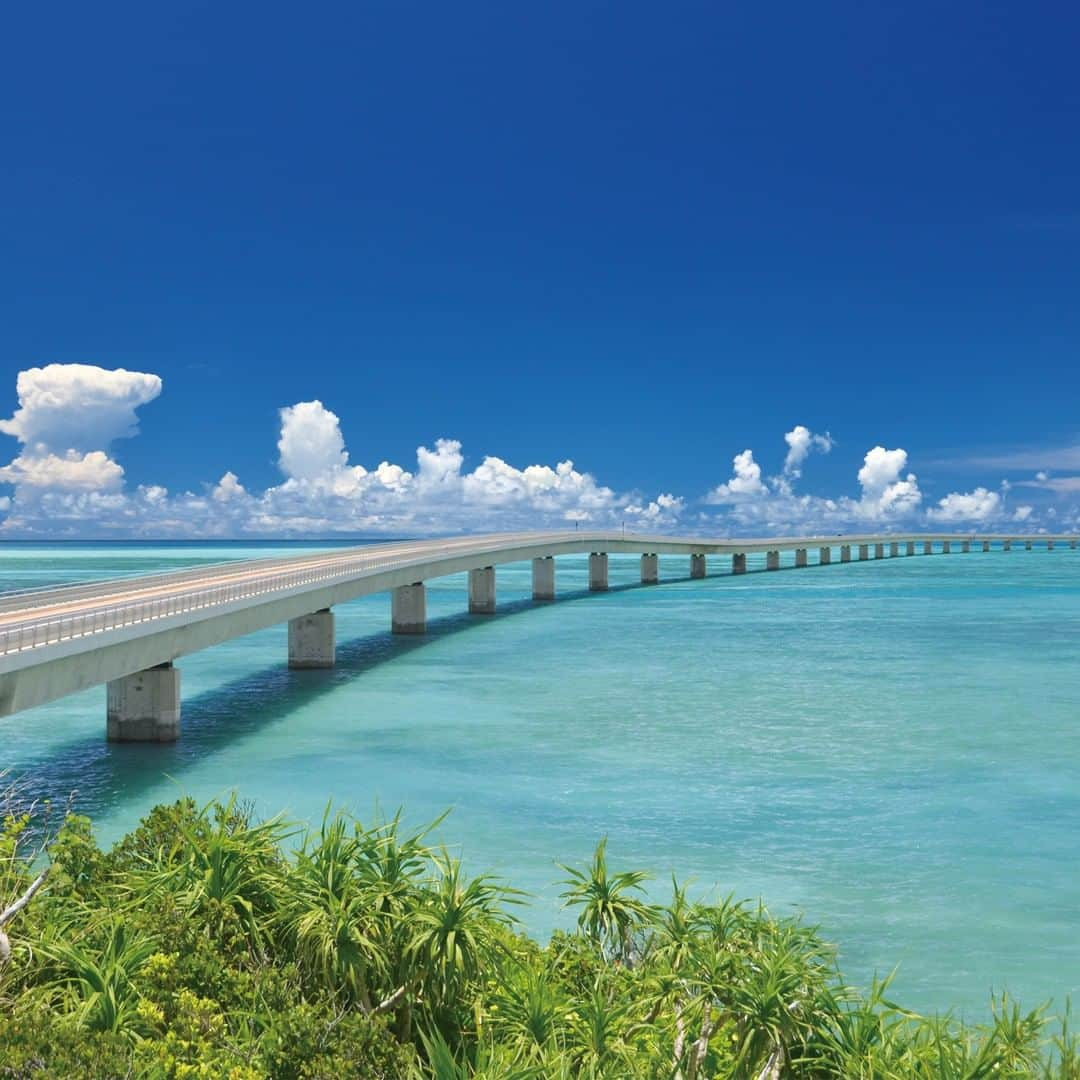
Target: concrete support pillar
(650, 569)
(800, 556)
(864, 552)
(144, 707)
(408, 609)
(544, 578)
(825, 556)
(1072, 545)
(946, 547)
(1027, 545)
(845, 553)
(1006, 545)
(697, 566)
(986, 545)
(738, 562)
(312, 640)
(927, 548)
(482, 591)
(598, 572)
(1049, 545)
(911, 547)
(772, 560)
(894, 550)
(965, 547)
(879, 551)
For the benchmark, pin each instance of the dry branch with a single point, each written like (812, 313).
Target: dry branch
(12, 910)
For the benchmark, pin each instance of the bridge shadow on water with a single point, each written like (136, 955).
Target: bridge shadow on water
(97, 772)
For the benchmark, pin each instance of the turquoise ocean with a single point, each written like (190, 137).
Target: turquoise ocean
(891, 749)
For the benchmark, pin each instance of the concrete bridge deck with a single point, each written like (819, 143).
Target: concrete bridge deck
(127, 632)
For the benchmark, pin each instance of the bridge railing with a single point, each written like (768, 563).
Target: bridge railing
(15, 600)
(35, 632)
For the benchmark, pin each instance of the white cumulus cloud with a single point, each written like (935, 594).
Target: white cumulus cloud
(311, 446)
(978, 505)
(66, 419)
(78, 406)
(745, 482)
(225, 490)
(886, 492)
(72, 471)
(66, 483)
(801, 441)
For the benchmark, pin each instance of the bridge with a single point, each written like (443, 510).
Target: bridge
(127, 633)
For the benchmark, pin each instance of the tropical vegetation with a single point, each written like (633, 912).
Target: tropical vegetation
(209, 943)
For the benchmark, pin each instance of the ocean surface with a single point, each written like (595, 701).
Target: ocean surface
(892, 748)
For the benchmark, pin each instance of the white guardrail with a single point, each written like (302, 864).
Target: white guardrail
(32, 633)
(252, 580)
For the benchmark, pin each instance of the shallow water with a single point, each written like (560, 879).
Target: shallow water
(891, 748)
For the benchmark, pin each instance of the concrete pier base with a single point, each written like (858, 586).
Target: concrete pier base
(312, 640)
(965, 546)
(598, 572)
(879, 551)
(650, 569)
(864, 552)
(986, 545)
(144, 707)
(408, 609)
(946, 547)
(1072, 545)
(1006, 545)
(1049, 545)
(1027, 545)
(482, 591)
(738, 562)
(825, 556)
(772, 560)
(894, 550)
(697, 566)
(543, 578)
(845, 553)
(911, 547)
(928, 547)
(800, 556)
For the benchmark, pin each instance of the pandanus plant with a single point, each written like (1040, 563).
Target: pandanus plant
(95, 975)
(530, 1014)
(455, 932)
(221, 865)
(610, 912)
(601, 1031)
(328, 917)
(490, 1062)
(392, 868)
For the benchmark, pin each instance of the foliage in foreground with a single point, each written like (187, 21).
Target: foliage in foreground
(210, 944)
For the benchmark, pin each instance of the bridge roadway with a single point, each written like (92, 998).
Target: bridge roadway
(127, 632)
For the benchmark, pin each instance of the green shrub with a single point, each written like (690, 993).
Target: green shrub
(202, 946)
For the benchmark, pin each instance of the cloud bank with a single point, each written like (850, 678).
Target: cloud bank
(64, 480)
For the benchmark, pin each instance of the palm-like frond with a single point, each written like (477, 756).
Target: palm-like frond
(221, 861)
(97, 974)
(453, 934)
(609, 910)
(328, 915)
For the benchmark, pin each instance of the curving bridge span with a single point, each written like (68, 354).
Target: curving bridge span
(127, 633)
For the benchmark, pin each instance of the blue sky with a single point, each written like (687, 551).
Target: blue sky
(642, 239)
